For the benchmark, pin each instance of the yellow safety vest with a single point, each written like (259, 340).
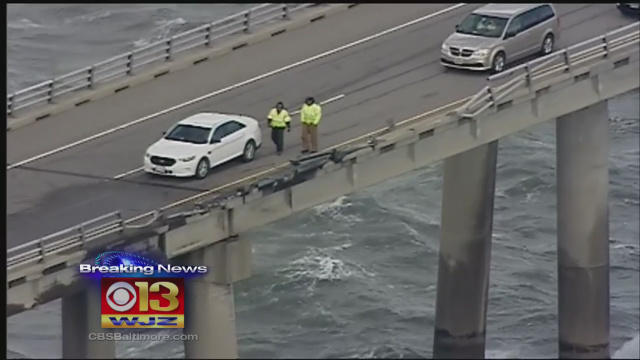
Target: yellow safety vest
(279, 120)
(310, 114)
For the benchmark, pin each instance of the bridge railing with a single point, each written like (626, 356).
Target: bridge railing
(75, 236)
(516, 78)
(164, 50)
(502, 85)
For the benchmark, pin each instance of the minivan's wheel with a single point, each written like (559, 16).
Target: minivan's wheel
(202, 170)
(249, 151)
(497, 65)
(547, 44)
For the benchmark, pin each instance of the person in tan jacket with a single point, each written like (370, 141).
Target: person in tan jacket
(310, 116)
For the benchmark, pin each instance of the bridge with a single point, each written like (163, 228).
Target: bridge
(377, 85)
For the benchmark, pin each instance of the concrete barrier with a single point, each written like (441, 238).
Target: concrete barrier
(183, 62)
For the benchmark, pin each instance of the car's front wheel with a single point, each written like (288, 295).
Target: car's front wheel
(547, 45)
(249, 152)
(202, 170)
(498, 63)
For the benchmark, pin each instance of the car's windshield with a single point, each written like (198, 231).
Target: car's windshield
(189, 133)
(482, 25)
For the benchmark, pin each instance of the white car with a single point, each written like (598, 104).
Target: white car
(200, 142)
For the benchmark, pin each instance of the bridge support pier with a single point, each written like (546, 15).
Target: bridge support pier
(80, 317)
(209, 301)
(583, 232)
(465, 253)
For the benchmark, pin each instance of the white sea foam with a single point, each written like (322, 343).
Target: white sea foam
(629, 350)
(89, 17)
(501, 354)
(23, 24)
(161, 31)
(335, 211)
(322, 265)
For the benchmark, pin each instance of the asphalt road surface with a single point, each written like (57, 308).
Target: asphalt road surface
(390, 78)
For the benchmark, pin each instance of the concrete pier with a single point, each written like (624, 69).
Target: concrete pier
(209, 301)
(465, 253)
(583, 233)
(80, 317)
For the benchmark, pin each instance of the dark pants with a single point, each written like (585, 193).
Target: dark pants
(277, 136)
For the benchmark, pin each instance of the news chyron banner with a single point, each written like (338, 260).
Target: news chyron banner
(138, 292)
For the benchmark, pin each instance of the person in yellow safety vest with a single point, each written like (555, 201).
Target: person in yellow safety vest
(310, 115)
(278, 120)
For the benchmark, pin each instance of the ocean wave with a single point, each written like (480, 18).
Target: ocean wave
(318, 265)
(335, 211)
(88, 18)
(386, 351)
(15, 355)
(23, 24)
(164, 28)
(501, 354)
(411, 213)
(629, 350)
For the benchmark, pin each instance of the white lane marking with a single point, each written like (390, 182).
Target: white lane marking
(235, 86)
(328, 101)
(127, 173)
(209, 192)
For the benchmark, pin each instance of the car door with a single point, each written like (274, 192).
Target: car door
(532, 32)
(236, 132)
(515, 46)
(219, 149)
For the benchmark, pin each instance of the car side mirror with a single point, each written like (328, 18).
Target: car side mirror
(457, 27)
(215, 141)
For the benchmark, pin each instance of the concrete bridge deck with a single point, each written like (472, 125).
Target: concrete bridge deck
(392, 77)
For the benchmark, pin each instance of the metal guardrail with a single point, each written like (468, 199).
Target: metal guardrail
(521, 77)
(65, 239)
(545, 68)
(164, 50)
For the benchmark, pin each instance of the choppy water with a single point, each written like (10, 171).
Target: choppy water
(47, 40)
(357, 277)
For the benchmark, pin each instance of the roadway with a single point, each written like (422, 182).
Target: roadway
(389, 78)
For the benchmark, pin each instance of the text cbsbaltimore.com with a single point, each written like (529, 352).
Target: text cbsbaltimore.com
(141, 337)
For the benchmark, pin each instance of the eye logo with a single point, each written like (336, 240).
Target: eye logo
(115, 258)
(121, 296)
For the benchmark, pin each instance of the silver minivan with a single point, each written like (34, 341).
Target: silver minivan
(495, 34)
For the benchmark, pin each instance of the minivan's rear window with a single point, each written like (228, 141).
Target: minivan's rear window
(482, 25)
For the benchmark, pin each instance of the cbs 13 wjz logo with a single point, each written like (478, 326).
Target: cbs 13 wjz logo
(138, 292)
(142, 302)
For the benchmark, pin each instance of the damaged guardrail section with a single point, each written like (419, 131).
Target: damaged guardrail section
(35, 274)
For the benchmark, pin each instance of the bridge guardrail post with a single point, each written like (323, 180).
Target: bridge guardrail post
(43, 251)
(567, 60)
(10, 105)
(285, 11)
(169, 49)
(122, 221)
(605, 45)
(527, 77)
(209, 36)
(50, 92)
(130, 63)
(492, 97)
(91, 73)
(82, 235)
(247, 21)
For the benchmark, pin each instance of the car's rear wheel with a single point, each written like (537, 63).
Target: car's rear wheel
(202, 170)
(547, 44)
(249, 152)
(498, 63)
